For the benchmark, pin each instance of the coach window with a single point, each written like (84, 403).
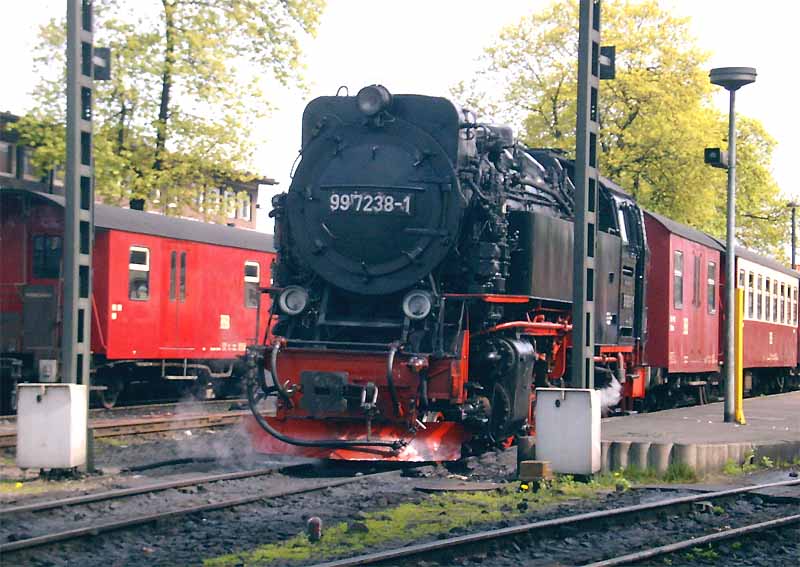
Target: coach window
(139, 273)
(677, 280)
(182, 288)
(173, 268)
(750, 294)
(46, 256)
(774, 301)
(794, 307)
(767, 302)
(712, 287)
(782, 296)
(252, 278)
(760, 298)
(696, 300)
(741, 279)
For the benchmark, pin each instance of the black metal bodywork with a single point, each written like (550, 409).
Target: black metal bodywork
(479, 214)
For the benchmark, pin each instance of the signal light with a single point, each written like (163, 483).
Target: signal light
(715, 157)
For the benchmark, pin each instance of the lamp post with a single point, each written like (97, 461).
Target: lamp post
(793, 205)
(732, 79)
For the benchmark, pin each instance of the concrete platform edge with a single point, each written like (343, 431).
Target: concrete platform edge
(702, 458)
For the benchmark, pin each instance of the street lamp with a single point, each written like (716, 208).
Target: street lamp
(732, 79)
(793, 205)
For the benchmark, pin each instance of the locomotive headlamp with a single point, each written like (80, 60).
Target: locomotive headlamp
(293, 300)
(417, 304)
(373, 99)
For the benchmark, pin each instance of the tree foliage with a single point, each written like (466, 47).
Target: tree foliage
(186, 88)
(656, 116)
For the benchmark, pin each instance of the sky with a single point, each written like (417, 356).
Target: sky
(427, 46)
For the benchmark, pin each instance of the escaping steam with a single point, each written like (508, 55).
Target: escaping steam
(610, 396)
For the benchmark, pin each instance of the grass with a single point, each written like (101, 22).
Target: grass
(675, 473)
(751, 465)
(17, 488)
(408, 522)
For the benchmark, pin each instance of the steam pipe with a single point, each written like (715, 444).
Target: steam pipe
(285, 394)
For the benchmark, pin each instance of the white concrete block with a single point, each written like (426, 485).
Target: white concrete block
(568, 429)
(51, 425)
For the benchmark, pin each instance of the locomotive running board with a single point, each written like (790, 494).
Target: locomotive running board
(438, 442)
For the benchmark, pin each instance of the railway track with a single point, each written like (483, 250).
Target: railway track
(461, 545)
(309, 485)
(155, 406)
(136, 426)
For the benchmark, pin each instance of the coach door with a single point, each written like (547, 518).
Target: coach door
(176, 318)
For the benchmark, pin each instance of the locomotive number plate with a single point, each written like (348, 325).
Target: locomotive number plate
(369, 203)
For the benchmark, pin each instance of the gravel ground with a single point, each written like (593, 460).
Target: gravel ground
(579, 547)
(188, 540)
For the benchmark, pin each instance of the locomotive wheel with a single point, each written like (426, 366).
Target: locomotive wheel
(110, 396)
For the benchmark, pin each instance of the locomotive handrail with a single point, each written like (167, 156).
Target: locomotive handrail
(542, 325)
(398, 409)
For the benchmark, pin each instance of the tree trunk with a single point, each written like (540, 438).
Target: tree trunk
(166, 86)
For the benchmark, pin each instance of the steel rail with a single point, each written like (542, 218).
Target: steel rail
(420, 548)
(694, 542)
(155, 424)
(133, 491)
(96, 529)
(144, 406)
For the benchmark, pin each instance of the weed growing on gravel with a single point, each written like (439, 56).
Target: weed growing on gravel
(408, 522)
(707, 553)
(628, 476)
(680, 472)
(11, 487)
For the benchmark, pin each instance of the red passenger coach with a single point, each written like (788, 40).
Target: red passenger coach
(171, 298)
(683, 317)
(770, 316)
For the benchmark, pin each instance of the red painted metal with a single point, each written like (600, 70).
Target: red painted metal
(436, 442)
(490, 298)
(769, 345)
(534, 328)
(211, 323)
(680, 339)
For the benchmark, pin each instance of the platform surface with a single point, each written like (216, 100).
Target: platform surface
(770, 419)
(698, 436)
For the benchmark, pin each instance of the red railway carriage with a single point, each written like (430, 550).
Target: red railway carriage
(171, 298)
(770, 315)
(683, 314)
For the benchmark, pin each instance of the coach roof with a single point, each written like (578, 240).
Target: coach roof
(128, 220)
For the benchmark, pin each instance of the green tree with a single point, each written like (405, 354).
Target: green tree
(187, 85)
(656, 116)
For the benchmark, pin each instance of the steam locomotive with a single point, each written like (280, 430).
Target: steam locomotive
(422, 284)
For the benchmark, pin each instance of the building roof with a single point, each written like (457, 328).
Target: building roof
(706, 240)
(128, 220)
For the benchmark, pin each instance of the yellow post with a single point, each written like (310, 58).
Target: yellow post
(738, 349)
